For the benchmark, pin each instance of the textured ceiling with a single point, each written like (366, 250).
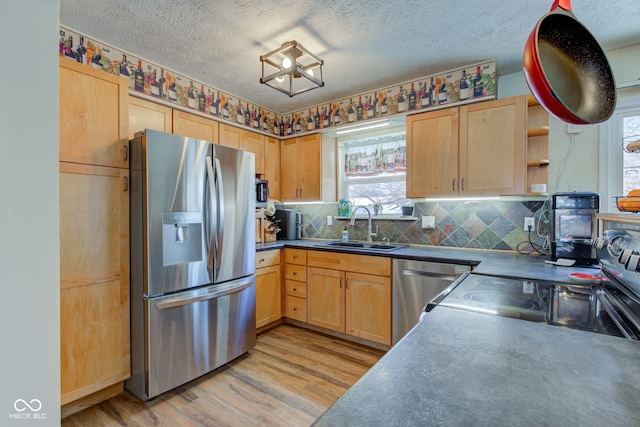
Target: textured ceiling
(366, 44)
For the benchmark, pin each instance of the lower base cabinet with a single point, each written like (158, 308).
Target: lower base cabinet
(268, 288)
(94, 279)
(351, 302)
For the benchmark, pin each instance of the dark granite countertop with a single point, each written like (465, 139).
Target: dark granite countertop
(484, 262)
(458, 368)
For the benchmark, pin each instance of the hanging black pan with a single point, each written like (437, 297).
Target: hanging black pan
(566, 69)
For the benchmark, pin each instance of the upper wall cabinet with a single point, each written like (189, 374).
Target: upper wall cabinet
(476, 149)
(194, 126)
(301, 161)
(93, 116)
(235, 137)
(493, 139)
(148, 115)
(272, 166)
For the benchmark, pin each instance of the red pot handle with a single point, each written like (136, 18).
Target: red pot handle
(563, 4)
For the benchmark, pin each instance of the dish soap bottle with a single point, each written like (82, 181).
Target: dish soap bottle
(345, 234)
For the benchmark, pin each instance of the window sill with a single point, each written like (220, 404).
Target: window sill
(389, 217)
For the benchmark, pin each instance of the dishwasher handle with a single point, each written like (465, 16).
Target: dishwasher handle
(422, 273)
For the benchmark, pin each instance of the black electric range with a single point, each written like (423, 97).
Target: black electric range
(609, 304)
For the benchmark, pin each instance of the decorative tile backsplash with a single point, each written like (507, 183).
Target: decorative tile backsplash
(496, 225)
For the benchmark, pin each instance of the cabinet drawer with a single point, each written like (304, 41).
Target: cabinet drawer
(296, 289)
(380, 266)
(295, 308)
(295, 272)
(267, 258)
(295, 256)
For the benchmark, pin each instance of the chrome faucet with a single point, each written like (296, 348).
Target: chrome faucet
(370, 232)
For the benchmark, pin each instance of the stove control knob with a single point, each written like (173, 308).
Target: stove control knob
(633, 263)
(624, 256)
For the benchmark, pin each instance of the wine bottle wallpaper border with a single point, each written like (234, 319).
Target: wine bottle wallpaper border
(476, 82)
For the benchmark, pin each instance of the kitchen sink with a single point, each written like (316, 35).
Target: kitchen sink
(374, 247)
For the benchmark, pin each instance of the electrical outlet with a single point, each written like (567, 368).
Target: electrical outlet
(529, 223)
(429, 222)
(329, 220)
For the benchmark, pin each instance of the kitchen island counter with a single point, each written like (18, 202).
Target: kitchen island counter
(462, 368)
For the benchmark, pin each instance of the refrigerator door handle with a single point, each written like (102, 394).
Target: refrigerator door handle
(220, 225)
(197, 298)
(211, 219)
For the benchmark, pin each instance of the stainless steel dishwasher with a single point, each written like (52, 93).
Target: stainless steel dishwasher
(414, 284)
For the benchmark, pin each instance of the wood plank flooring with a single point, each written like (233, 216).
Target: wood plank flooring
(289, 379)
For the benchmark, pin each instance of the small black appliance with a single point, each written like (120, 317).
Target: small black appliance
(290, 223)
(574, 226)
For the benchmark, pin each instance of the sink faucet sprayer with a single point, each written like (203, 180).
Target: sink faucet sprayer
(370, 232)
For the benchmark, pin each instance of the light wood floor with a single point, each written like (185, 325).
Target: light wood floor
(289, 379)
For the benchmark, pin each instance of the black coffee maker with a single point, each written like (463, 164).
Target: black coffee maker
(574, 226)
(290, 223)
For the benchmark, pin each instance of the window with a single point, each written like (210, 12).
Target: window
(619, 169)
(373, 170)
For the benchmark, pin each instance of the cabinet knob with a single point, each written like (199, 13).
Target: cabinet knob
(295, 308)
(295, 256)
(295, 273)
(295, 289)
(261, 259)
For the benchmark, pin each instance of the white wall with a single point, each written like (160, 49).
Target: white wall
(574, 159)
(29, 246)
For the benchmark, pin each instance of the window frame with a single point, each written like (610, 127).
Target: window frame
(611, 154)
(342, 182)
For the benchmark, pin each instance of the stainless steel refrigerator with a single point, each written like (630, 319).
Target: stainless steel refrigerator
(192, 259)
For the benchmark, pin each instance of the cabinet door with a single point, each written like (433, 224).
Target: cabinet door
(492, 147)
(368, 307)
(94, 279)
(301, 168)
(432, 153)
(289, 187)
(309, 164)
(272, 166)
(268, 295)
(93, 116)
(325, 298)
(148, 115)
(186, 124)
(254, 143)
(230, 136)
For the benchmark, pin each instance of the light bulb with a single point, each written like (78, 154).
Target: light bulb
(310, 72)
(286, 62)
(279, 79)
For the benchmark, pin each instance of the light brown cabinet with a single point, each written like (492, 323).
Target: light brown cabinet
(476, 149)
(93, 116)
(492, 147)
(148, 115)
(94, 235)
(94, 279)
(194, 126)
(301, 160)
(351, 294)
(295, 276)
(272, 166)
(242, 139)
(268, 287)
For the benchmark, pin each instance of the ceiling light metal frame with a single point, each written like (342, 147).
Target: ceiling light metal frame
(302, 61)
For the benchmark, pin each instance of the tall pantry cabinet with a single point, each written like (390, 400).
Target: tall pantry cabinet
(94, 235)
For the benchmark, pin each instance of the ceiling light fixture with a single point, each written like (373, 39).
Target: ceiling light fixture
(294, 69)
(358, 128)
